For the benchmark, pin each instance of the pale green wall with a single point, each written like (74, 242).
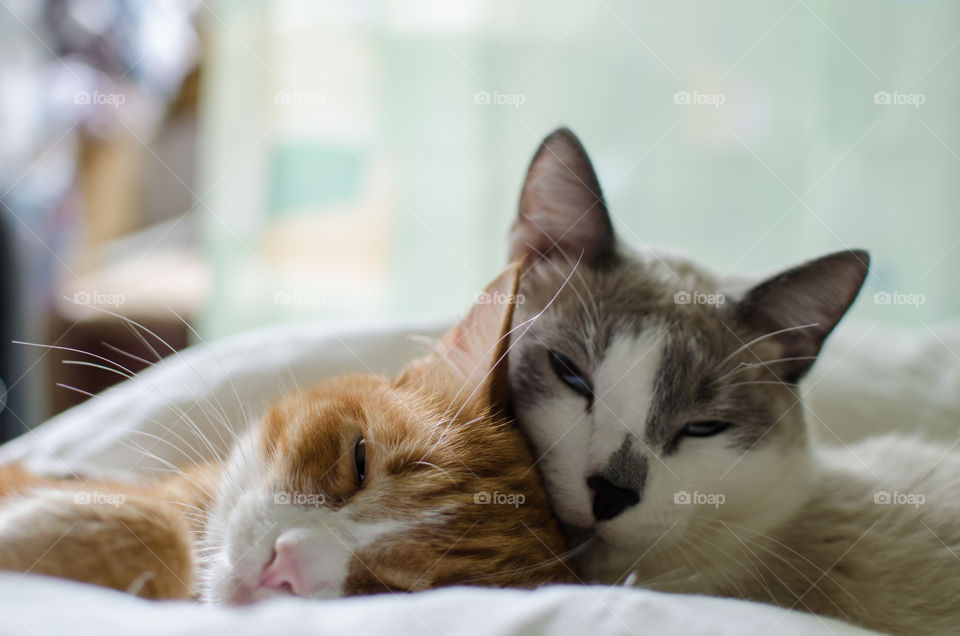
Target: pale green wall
(396, 123)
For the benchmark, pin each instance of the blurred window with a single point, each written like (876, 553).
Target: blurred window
(364, 158)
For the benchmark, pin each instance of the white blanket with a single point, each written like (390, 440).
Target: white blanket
(35, 606)
(867, 381)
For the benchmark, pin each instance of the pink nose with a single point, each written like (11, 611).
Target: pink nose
(282, 573)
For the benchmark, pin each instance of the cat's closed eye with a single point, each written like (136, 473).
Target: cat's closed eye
(570, 374)
(707, 428)
(360, 460)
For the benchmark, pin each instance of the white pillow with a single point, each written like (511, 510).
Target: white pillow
(872, 379)
(561, 610)
(868, 380)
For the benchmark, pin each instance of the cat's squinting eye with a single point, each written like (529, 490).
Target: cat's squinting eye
(705, 429)
(360, 460)
(570, 374)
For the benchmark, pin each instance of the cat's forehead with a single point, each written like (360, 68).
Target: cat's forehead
(400, 424)
(646, 326)
(588, 308)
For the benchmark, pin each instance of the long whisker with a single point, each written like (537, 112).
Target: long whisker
(132, 356)
(743, 366)
(553, 560)
(127, 373)
(120, 370)
(79, 351)
(693, 546)
(445, 472)
(233, 386)
(190, 458)
(525, 326)
(594, 317)
(142, 451)
(219, 413)
(762, 338)
(75, 389)
(751, 558)
(750, 382)
(823, 573)
(664, 580)
(220, 418)
(136, 327)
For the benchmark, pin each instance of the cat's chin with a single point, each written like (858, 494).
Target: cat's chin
(600, 538)
(578, 537)
(602, 556)
(241, 594)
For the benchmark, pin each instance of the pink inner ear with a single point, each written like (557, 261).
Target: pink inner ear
(414, 369)
(475, 338)
(562, 210)
(457, 338)
(475, 344)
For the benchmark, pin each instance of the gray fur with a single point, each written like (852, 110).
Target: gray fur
(593, 305)
(627, 467)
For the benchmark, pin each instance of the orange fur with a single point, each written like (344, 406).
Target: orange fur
(435, 441)
(118, 535)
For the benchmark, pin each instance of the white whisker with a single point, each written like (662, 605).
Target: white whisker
(746, 345)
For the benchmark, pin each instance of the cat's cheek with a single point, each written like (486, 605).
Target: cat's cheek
(219, 585)
(563, 463)
(236, 546)
(226, 589)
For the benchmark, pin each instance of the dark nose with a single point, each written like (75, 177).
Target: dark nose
(609, 500)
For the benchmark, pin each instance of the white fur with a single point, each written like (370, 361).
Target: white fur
(624, 390)
(762, 489)
(574, 444)
(560, 434)
(247, 519)
(797, 526)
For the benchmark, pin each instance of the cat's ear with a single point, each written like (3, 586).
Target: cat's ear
(562, 211)
(804, 304)
(470, 364)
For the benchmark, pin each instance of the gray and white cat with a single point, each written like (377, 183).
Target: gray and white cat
(662, 402)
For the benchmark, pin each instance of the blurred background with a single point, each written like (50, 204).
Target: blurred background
(207, 167)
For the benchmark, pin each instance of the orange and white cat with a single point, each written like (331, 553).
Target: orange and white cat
(359, 485)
